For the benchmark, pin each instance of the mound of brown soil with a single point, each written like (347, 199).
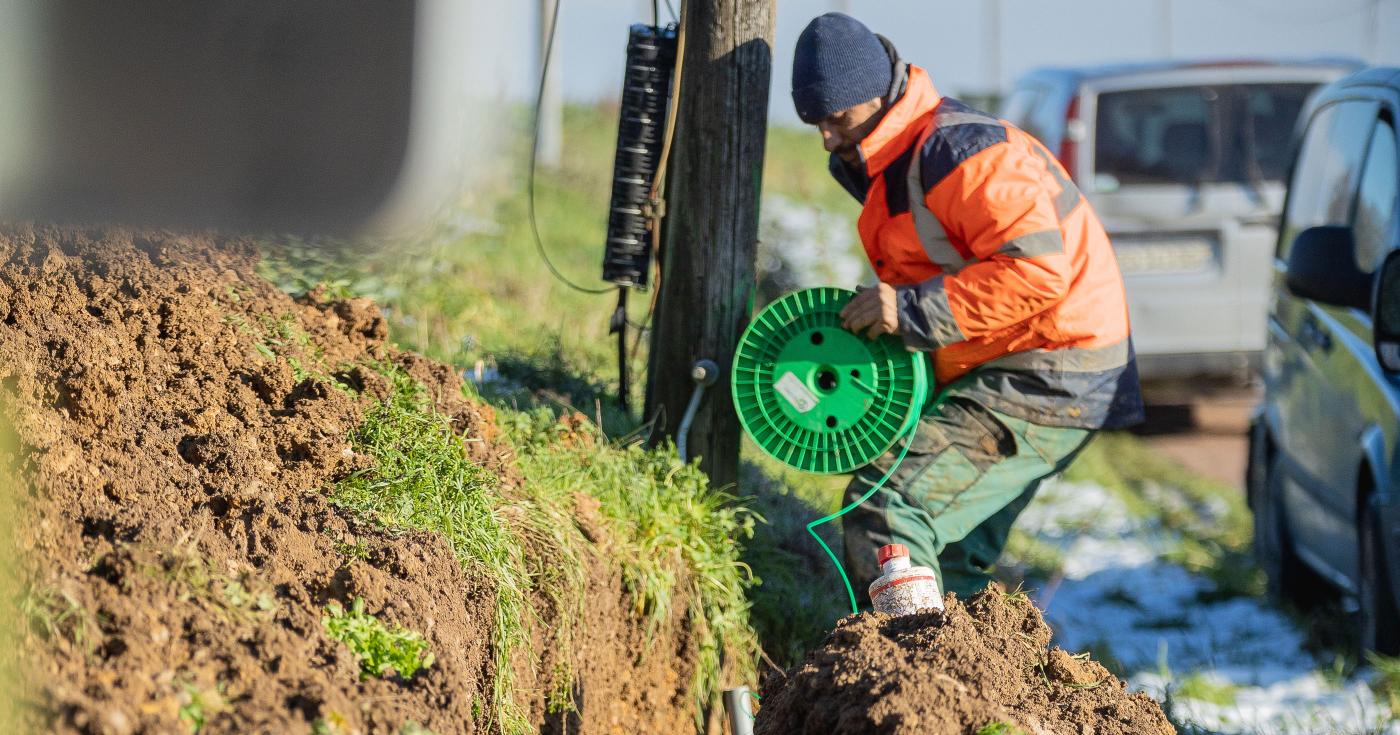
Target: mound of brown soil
(179, 547)
(953, 673)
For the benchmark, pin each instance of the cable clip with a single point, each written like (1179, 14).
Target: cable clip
(654, 210)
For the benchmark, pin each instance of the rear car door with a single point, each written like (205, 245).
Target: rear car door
(1324, 352)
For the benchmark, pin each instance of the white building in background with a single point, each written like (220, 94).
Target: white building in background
(982, 46)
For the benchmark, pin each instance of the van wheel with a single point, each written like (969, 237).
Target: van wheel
(1378, 620)
(1289, 579)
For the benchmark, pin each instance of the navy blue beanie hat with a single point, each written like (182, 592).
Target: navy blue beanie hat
(838, 63)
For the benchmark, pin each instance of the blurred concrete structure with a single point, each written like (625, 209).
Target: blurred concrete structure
(319, 115)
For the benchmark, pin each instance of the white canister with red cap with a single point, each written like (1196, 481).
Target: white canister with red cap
(903, 589)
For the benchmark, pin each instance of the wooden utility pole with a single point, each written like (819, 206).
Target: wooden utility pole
(711, 233)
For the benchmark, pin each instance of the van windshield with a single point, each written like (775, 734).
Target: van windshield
(1195, 135)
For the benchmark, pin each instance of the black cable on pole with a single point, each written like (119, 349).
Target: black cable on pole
(534, 159)
(618, 326)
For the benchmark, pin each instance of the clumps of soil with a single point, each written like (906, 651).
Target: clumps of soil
(175, 442)
(953, 672)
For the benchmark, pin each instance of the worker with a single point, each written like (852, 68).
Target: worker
(990, 260)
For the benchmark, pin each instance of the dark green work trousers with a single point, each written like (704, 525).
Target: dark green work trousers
(969, 472)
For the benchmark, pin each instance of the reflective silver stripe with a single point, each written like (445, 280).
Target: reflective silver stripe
(932, 236)
(1066, 360)
(949, 119)
(1068, 198)
(1045, 242)
(926, 318)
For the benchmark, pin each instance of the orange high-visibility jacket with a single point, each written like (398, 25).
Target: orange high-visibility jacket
(1002, 269)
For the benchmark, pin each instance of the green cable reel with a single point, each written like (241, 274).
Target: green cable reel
(817, 397)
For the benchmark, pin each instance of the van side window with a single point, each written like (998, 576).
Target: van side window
(1374, 225)
(1323, 190)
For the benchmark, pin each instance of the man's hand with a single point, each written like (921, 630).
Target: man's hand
(874, 309)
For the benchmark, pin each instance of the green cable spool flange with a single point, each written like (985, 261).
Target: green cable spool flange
(817, 397)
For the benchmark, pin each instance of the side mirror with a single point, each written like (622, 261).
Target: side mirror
(1385, 320)
(1322, 267)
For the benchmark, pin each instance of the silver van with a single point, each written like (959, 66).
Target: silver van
(1185, 164)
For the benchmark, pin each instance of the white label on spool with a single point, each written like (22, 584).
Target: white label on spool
(790, 387)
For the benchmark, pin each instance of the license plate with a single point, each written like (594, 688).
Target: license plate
(1159, 256)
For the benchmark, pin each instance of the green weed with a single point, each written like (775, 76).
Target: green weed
(357, 550)
(198, 704)
(1017, 596)
(1000, 728)
(378, 646)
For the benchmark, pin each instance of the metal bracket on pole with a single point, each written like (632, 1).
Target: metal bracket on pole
(704, 373)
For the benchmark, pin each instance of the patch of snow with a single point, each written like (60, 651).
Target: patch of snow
(1306, 703)
(1117, 595)
(802, 246)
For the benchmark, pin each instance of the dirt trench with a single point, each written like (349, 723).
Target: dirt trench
(176, 539)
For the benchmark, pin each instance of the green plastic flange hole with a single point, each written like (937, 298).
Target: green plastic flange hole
(817, 397)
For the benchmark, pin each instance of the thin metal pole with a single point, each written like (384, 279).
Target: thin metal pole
(736, 704)
(551, 110)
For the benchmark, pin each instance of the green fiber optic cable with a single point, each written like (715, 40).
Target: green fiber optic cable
(812, 527)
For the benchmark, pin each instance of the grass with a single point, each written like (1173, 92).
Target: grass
(474, 289)
(1212, 522)
(474, 292)
(798, 595)
(1386, 683)
(1205, 688)
(15, 599)
(421, 479)
(677, 539)
(379, 647)
(54, 615)
(795, 167)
